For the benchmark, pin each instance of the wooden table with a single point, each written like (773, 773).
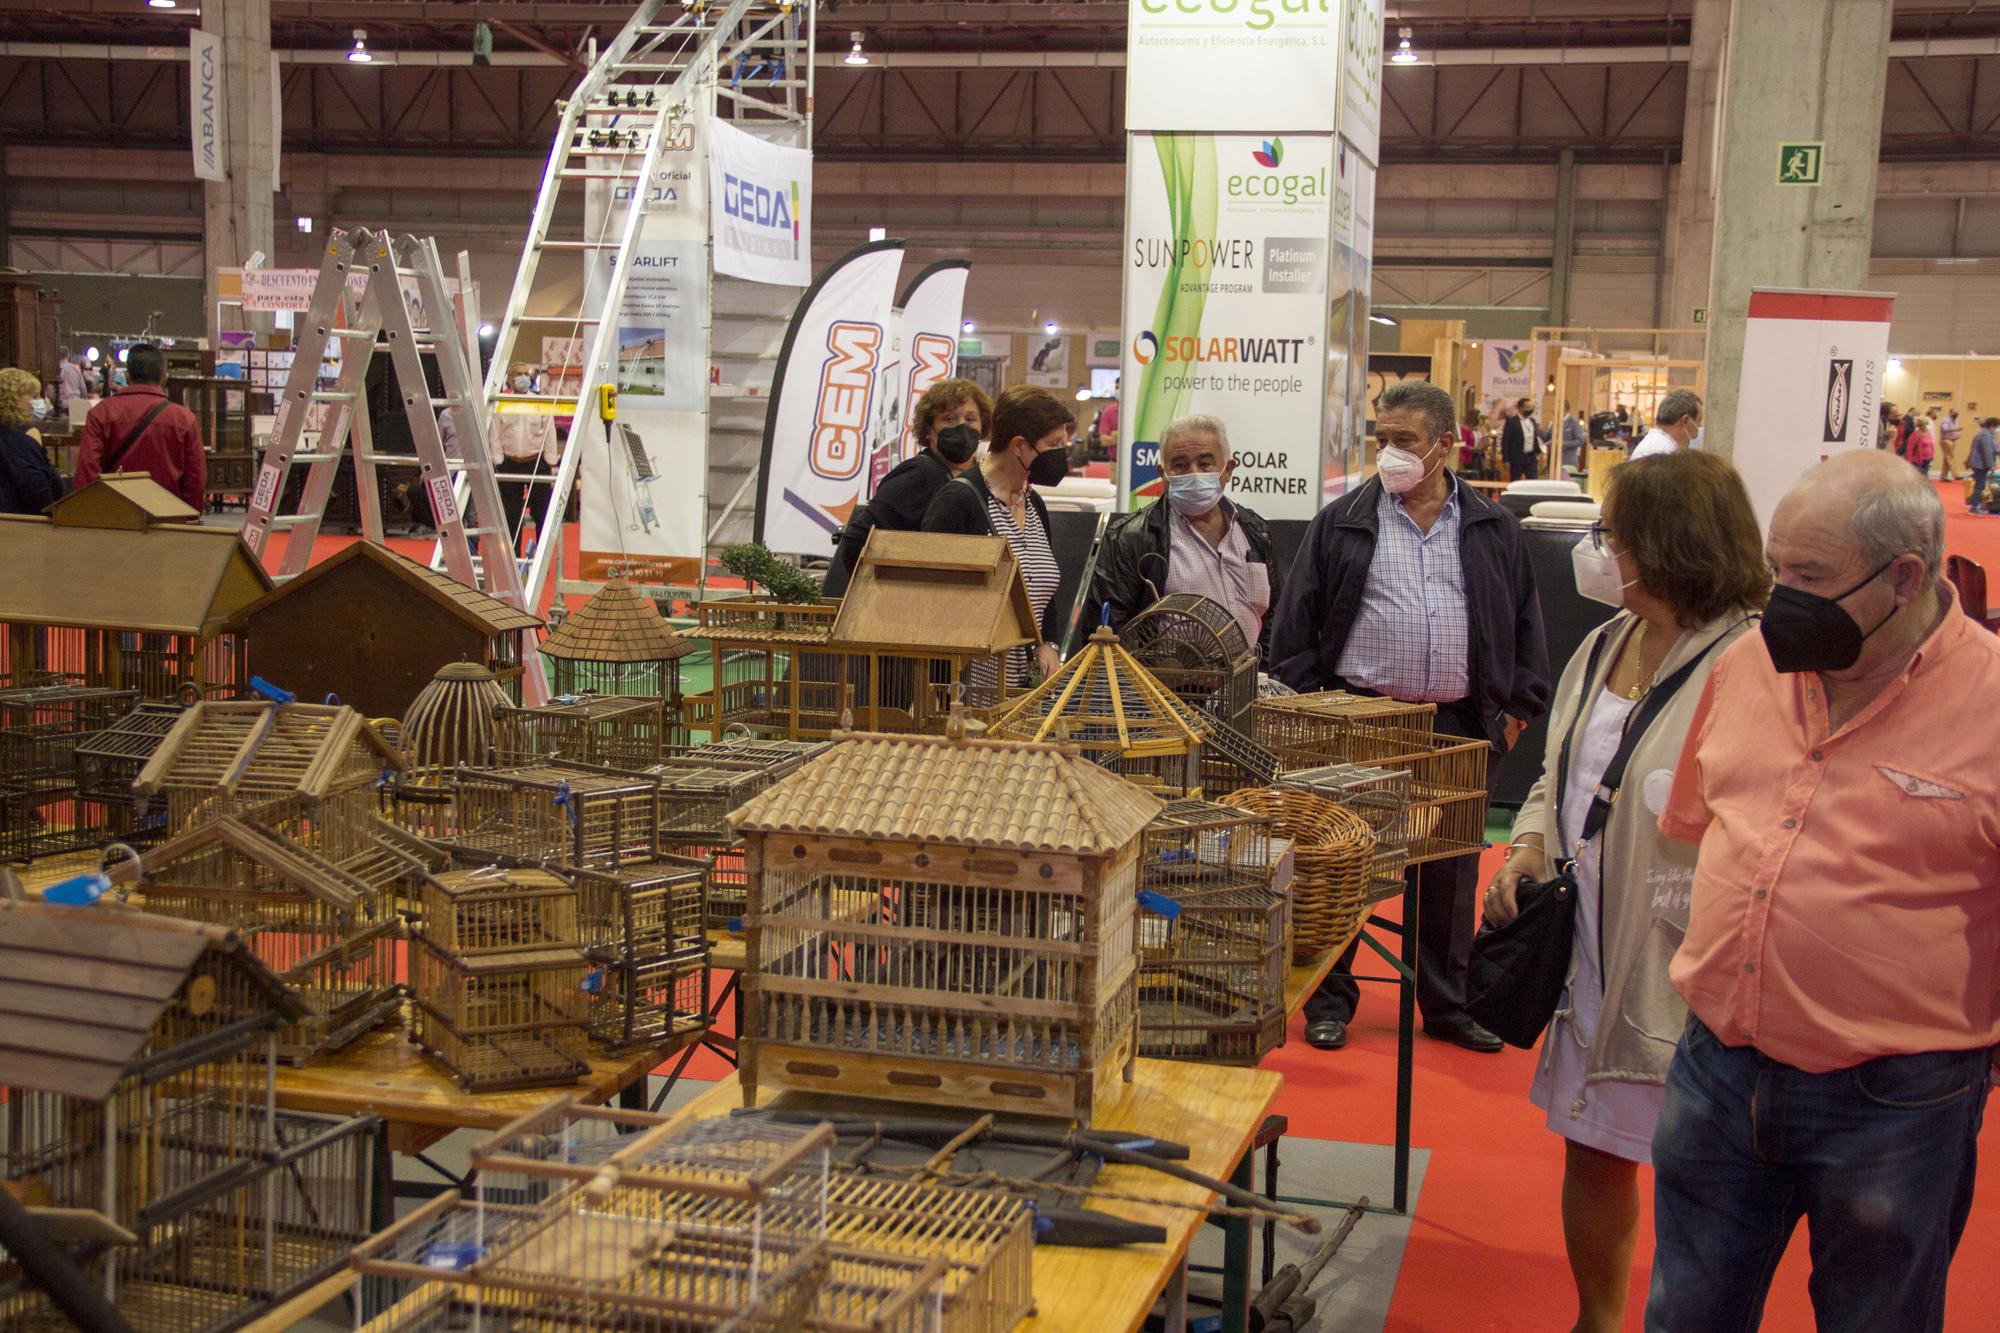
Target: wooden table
(1213, 1109)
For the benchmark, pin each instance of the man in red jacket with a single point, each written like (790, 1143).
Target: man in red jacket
(138, 430)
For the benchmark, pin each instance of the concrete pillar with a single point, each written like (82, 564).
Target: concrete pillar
(1565, 241)
(237, 212)
(1806, 71)
(1692, 233)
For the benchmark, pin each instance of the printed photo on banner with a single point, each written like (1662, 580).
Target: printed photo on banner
(1225, 307)
(1048, 360)
(760, 196)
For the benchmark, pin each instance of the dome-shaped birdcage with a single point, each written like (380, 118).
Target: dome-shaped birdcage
(451, 722)
(1195, 648)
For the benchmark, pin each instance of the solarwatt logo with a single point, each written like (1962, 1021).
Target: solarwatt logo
(773, 212)
(1271, 154)
(1145, 347)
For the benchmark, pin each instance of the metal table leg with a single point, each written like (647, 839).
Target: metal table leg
(1236, 1256)
(1175, 1314)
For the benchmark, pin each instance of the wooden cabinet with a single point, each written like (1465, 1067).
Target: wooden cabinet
(30, 324)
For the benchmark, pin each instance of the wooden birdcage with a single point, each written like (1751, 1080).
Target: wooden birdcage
(603, 730)
(109, 762)
(556, 814)
(311, 768)
(941, 920)
(136, 1114)
(699, 789)
(617, 643)
(1335, 727)
(1196, 648)
(1213, 917)
(41, 727)
(1381, 796)
(497, 976)
(452, 723)
(643, 925)
(771, 671)
(329, 936)
(1112, 709)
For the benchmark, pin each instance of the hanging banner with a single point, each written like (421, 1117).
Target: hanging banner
(1361, 77)
(644, 474)
(823, 401)
(933, 309)
(1351, 241)
(761, 200)
(1269, 63)
(1508, 370)
(1226, 307)
(205, 104)
(1834, 348)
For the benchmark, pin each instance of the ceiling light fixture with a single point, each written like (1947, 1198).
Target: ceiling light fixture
(1083, 393)
(1377, 317)
(1404, 55)
(968, 327)
(855, 56)
(1050, 328)
(359, 55)
(304, 224)
(160, 4)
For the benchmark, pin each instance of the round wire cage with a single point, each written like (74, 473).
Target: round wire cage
(1195, 647)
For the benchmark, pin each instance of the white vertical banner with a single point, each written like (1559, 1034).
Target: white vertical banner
(761, 200)
(277, 122)
(823, 411)
(1251, 66)
(1831, 349)
(1226, 307)
(1361, 77)
(205, 105)
(643, 474)
(933, 307)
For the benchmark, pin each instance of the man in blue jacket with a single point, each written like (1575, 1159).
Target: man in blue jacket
(1415, 587)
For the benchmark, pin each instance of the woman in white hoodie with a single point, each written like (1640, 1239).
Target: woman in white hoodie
(1679, 553)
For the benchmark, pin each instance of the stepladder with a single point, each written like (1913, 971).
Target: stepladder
(383, 295)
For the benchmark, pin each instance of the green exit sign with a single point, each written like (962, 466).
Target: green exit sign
(972, 347)
(1801, 163)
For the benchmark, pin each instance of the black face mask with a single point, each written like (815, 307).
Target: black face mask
(1049, 467)
(1807, 632)
(955, 444)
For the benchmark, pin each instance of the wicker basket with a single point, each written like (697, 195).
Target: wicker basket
(1334, 853)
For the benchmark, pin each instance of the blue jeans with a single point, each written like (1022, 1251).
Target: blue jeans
(1979, 475)
(1879, 1159)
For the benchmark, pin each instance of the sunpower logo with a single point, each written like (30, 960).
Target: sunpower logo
(846, 389)
(1145, 347)
(761, 206)
(1271, 154)
(1256, 15)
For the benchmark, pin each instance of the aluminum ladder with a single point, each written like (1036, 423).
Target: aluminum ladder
(315, 426)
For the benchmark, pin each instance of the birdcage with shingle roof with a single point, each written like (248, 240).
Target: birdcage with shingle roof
(618, 643)
(942, 920)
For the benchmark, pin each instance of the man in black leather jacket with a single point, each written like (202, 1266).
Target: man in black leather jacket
(1231, 561)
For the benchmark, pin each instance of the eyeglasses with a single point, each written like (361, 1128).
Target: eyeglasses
(1599, 536)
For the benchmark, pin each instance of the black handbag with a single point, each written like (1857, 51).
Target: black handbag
(1517, 972)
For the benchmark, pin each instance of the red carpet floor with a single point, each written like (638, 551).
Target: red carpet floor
(1486, 1248)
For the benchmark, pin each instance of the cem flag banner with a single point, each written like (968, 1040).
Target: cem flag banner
(205, 104)
(1226, 307)
(933, 307)
(760, 204)
(1833, 348)
(825, 410)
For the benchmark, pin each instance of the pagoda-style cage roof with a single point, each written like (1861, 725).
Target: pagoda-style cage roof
(268, 751)
(618, 624)
(1109, 706)
(1007, 795)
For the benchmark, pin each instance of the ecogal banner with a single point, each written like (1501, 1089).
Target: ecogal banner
(823, 412)
(643, 473)
(760, 197)
(1832, 348)
(1243, 65)
(1225, 307)
(205, 104)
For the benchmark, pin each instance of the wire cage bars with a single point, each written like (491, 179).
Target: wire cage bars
(1196, 648)
(556, 813)
(1212, 929)
(603, 730)
(643, 925)
(158, 666)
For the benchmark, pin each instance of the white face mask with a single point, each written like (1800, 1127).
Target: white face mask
(1194, 493)
(1401, 471)
(521, 383)
(1598, 576)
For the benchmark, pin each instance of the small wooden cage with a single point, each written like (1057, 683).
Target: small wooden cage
(1335, 727)
(452, 722)
(1196, 648)
(41, 726)
(771, 671)
(1107, 705)
(110, 761)
(329, 936)
(604, 730)
(1213, 917)
(556, 814)
(944, 921)
(618, 643)
(498, 977)
(643, 925)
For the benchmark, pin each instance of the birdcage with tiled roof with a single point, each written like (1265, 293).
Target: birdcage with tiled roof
(618, 643)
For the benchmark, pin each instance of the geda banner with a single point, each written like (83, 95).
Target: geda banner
(1225, 307)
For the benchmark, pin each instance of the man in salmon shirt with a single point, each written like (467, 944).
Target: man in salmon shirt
(1842, 960)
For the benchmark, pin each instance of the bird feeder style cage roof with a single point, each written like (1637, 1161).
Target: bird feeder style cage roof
(984, 894)
(1196, 648)
(452, 722)
(223, 757)
(616, 643)
(329, 935)
(1114, 710)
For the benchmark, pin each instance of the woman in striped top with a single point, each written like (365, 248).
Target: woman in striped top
(1030, 447)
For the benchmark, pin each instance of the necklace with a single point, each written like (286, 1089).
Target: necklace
(1645, 683)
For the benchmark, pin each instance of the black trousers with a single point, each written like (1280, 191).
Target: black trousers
(1447, 917)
